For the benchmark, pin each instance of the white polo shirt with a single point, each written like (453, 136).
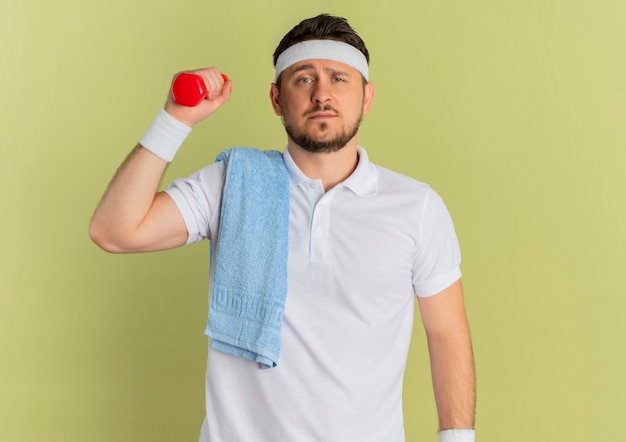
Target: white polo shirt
(358, 254)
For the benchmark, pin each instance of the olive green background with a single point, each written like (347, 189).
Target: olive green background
(513, 110)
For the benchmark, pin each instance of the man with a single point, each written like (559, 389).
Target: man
(362, 241)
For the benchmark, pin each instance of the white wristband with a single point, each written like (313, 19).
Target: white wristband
(457, 436)
(165, 136)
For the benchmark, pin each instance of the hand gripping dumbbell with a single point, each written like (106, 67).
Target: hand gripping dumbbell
(189, 89)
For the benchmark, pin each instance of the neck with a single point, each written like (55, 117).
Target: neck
(332, 168)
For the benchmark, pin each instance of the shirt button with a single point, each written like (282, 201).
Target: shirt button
(320, 232)
(312, 185)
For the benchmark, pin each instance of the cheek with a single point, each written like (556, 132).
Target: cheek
(284, 111)
(289, 110)
(355, 108)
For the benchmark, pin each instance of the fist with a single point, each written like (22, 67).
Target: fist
(189, 89)
(194, 95)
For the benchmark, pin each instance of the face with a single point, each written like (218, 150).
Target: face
(321, 103)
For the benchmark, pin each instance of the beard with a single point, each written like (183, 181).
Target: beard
(310, 144)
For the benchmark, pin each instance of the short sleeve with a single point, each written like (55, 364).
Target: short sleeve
(438, 256)
(198, 199)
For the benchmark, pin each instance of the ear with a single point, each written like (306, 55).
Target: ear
(368, 98)
(274, 98)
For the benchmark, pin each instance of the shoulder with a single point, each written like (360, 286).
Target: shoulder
(390, 181)
(410, 195)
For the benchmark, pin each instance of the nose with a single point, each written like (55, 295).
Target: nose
(321, 92)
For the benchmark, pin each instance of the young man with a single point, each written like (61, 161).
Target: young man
(360, 243)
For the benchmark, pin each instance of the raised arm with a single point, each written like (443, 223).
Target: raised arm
(132, 215)
(451, 358)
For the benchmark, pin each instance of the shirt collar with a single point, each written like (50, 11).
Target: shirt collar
(363, 181)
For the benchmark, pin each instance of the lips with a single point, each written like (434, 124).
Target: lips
(323, 111)
(321, 115)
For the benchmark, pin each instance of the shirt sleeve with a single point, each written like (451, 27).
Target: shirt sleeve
(198, 198)
(438, 257)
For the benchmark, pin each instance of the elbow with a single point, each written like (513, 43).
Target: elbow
(103, 238)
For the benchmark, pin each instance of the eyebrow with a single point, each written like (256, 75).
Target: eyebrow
(308, 66)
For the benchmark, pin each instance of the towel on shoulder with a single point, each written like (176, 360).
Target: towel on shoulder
(249, 285)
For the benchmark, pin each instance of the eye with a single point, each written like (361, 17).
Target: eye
(339, 80)
(305, 80)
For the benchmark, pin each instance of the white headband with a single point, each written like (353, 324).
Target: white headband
(323, 50)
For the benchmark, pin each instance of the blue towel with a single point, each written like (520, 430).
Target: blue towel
(249, 283)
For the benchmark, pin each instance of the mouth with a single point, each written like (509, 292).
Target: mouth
(321, 115)
(322, 112)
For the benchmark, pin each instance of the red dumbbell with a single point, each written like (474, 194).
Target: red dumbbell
(189, 89)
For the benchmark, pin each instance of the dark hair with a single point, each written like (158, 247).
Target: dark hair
(322, 27)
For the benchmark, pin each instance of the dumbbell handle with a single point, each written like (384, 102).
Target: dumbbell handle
(189, 89)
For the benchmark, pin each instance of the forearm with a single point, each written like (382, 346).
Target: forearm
(454, 380)
(127, 199)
